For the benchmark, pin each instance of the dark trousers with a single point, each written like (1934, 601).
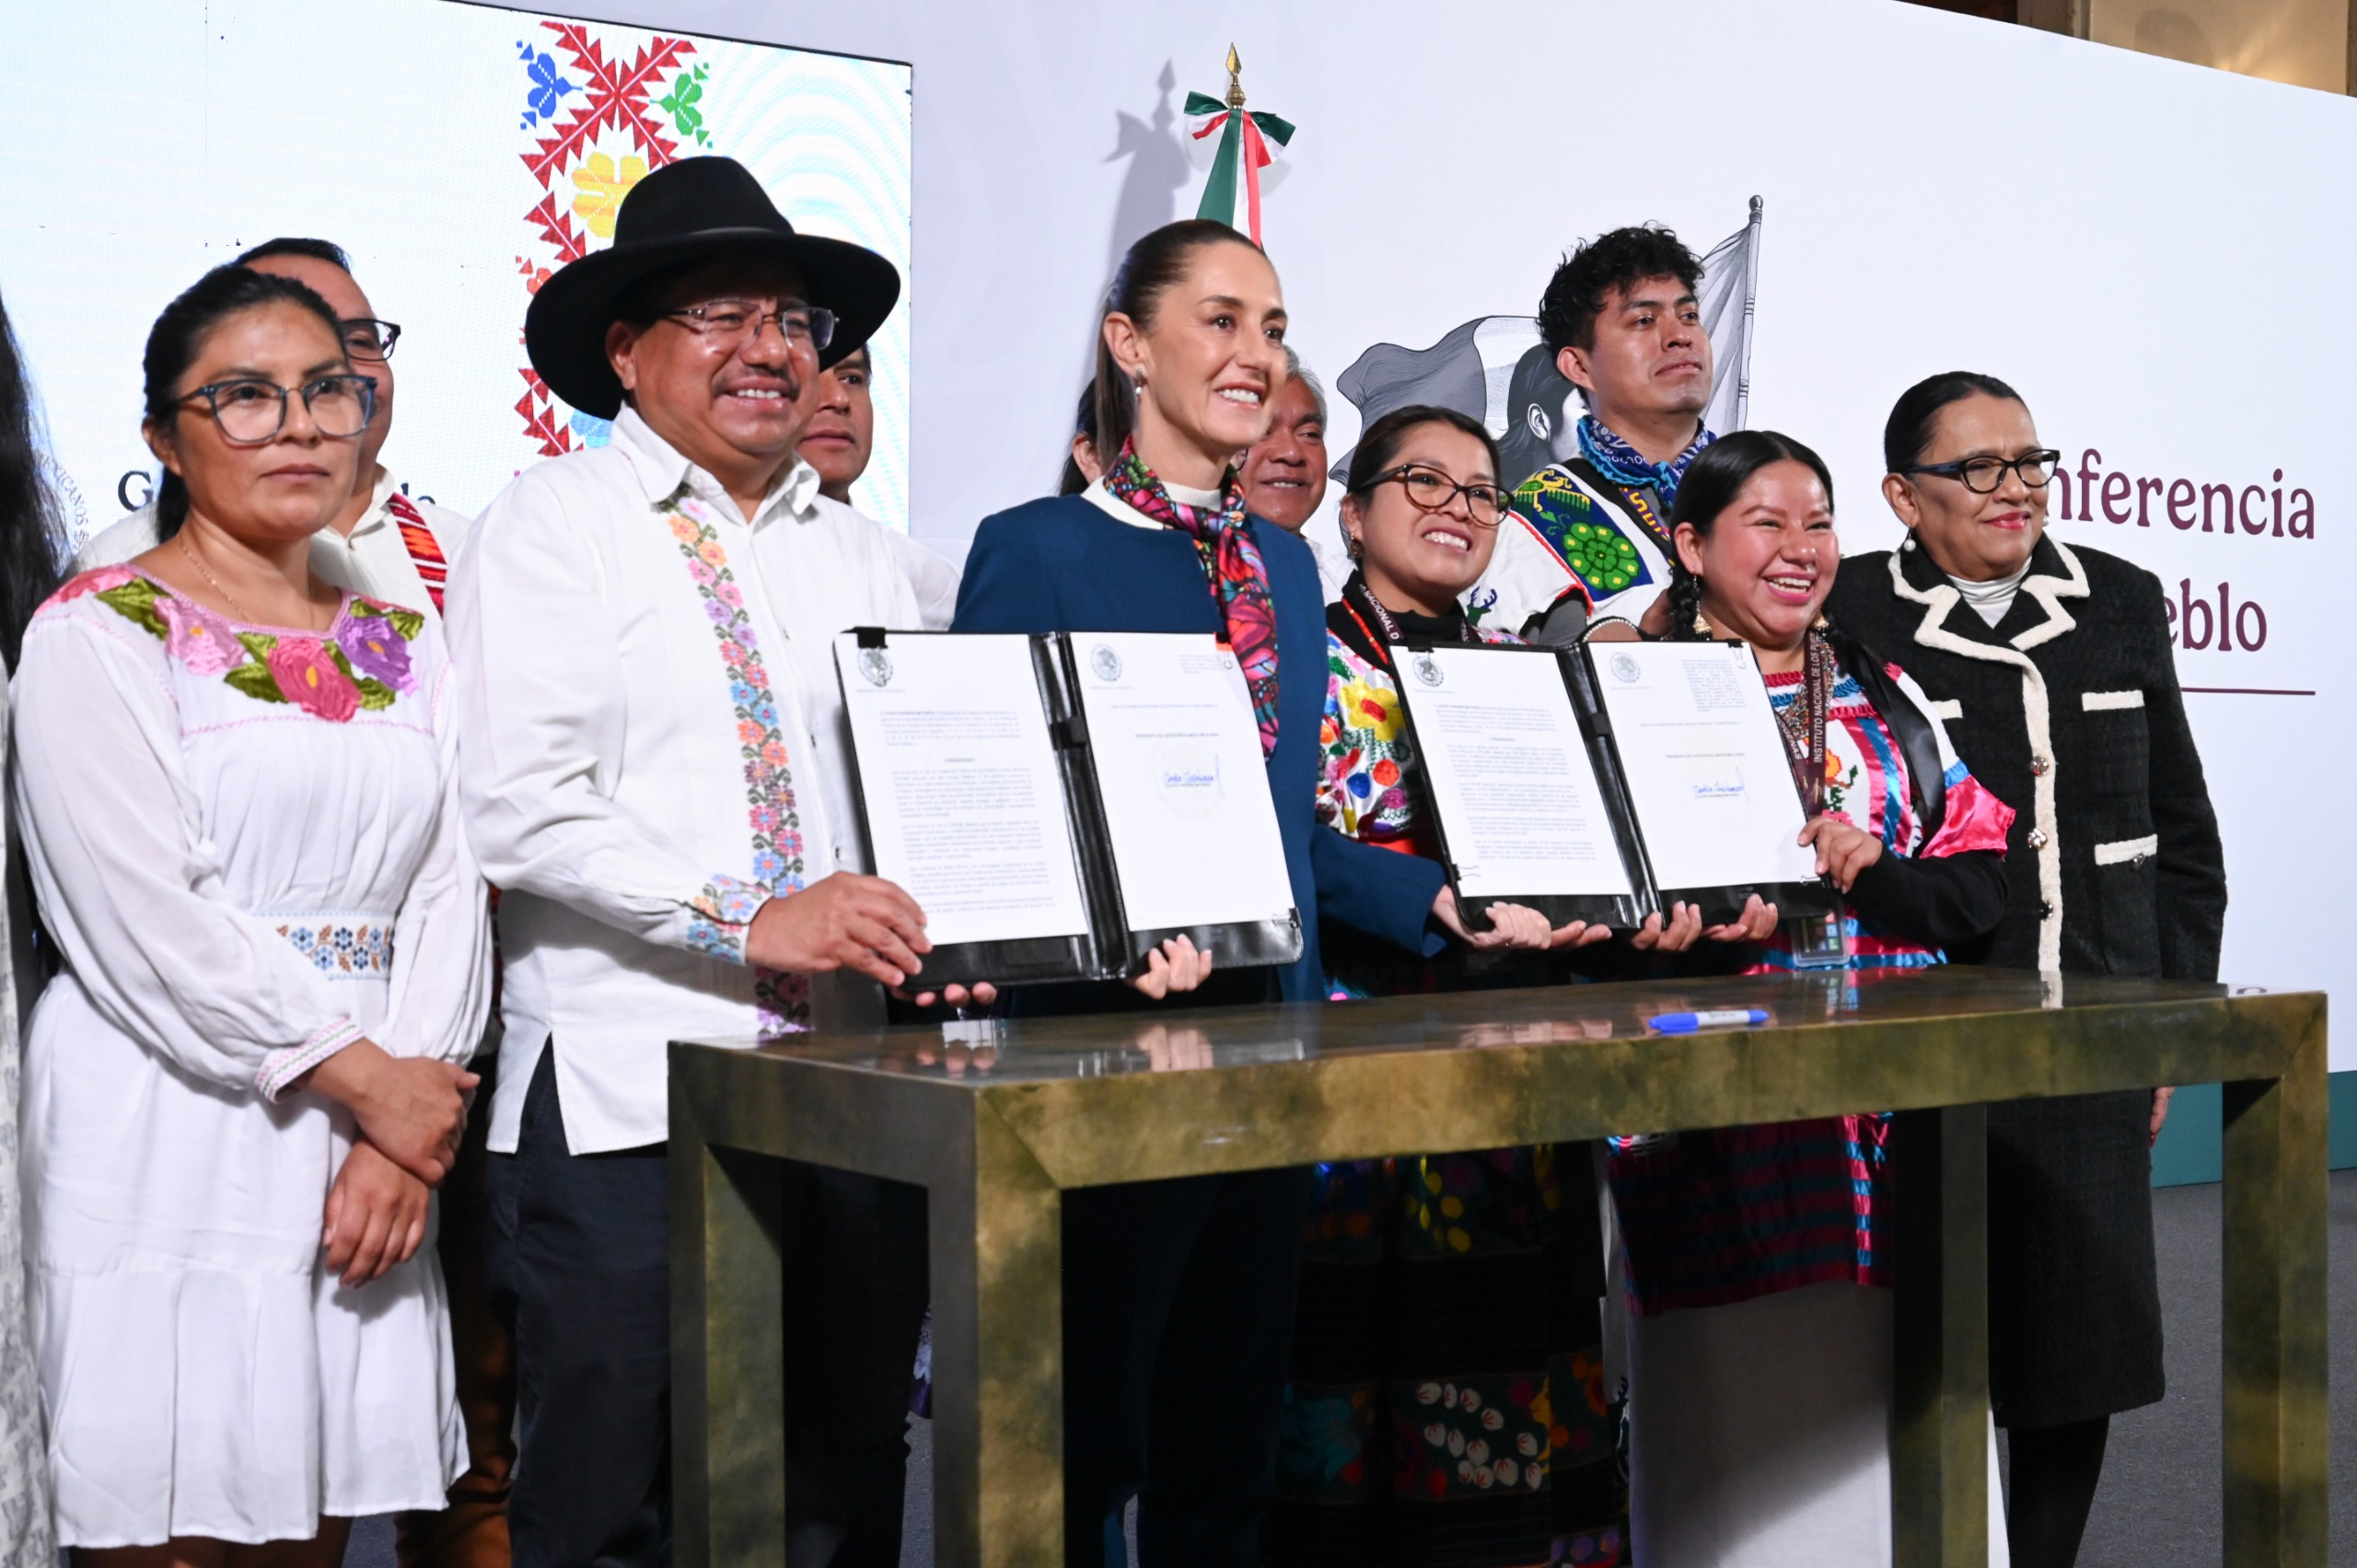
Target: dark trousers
(1178, 1303)
(579, 1268)
(472, 1531)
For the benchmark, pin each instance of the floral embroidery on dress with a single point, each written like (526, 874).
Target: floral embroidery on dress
(727, 904)
(341, 949)
(1361, 793)
(361, 665)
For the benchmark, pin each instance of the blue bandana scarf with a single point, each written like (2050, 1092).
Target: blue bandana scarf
(1628, 468)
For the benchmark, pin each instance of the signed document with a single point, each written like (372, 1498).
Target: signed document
(1708, 773)
(959, 782)
(1188, 816)
(1521, 809)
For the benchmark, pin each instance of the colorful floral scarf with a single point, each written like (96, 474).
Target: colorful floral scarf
(1239, 577)
(1632, 469)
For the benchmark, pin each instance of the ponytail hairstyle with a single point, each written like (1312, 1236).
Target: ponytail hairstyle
(1153, 267)
(29, 530)
(1907, 435)
(1718, 474)
(1073, 482)
(178, 337)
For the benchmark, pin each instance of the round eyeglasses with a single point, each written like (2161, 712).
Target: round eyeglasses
(1429, 490)
(366, 338)
(728, 325)
(1983, 475)
(251, 410)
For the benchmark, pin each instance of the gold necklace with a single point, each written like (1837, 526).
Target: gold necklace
(310, 611)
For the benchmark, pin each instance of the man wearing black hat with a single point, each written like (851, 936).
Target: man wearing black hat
(653, 770)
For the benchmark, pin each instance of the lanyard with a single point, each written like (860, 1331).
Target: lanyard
(1803, 721)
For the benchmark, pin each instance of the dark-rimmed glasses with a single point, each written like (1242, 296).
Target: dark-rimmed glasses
(251, 410)
(1429, 490)
(366, 338)
(1983, 475)
(728, 325)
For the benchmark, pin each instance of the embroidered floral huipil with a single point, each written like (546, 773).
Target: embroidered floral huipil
(246, 847)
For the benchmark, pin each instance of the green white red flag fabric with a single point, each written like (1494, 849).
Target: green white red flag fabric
(1243, 152)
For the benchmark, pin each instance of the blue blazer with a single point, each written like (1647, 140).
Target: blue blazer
(1062, 565)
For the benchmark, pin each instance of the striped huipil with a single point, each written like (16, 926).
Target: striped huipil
(1715, 1217)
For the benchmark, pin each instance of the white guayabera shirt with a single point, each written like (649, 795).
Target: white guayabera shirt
(652, 741)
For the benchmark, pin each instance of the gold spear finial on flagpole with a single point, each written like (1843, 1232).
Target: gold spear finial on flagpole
(1234, 79)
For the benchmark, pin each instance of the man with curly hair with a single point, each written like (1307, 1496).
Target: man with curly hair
(1621, 328)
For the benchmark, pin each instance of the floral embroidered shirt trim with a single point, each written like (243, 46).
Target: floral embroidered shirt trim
(726, 905)
(281, 1068)
(343, 949)
(362, 664)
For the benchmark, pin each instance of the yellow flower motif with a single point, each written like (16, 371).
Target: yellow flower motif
(1371, 708)
(598, 188)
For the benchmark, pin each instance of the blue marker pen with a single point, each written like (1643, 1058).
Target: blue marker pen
(1687, 1023)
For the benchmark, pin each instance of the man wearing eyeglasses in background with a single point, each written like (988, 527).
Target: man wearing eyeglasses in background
(1591, 529)
(654, 769)
(392, 546)
(387, 544)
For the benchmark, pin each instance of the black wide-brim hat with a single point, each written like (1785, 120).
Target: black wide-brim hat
(694, 210)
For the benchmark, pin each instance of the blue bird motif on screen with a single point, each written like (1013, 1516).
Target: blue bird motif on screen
(547, 84)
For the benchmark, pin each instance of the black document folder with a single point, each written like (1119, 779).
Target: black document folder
(1041, 851)
(1608, 782)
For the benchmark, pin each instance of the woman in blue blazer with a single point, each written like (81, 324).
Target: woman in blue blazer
(1178, 1295)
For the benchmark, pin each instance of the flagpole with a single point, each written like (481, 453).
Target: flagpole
(1227, 158)
(1750, 300)
(1247, 138)
(1242, 152)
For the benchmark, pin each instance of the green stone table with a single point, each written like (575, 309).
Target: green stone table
(996, 1131)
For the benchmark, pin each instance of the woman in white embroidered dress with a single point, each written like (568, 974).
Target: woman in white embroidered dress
(235, 784)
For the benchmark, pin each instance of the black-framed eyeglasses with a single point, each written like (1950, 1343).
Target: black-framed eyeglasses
(1429, 490)
(366, 338)
(729, 324)
(251, 410)
(1983, 475)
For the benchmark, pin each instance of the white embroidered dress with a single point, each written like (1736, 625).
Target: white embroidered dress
(245, 845)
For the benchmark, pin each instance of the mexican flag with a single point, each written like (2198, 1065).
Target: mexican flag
(1242, 154)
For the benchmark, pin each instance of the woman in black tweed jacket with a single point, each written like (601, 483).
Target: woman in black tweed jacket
(2051, 666)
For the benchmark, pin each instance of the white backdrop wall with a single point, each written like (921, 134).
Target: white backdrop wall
(2145, 249)
(458, 152)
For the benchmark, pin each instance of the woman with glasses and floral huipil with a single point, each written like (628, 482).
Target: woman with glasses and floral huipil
(235, 784)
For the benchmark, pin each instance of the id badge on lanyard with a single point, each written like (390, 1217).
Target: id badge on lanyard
(1817, 941)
